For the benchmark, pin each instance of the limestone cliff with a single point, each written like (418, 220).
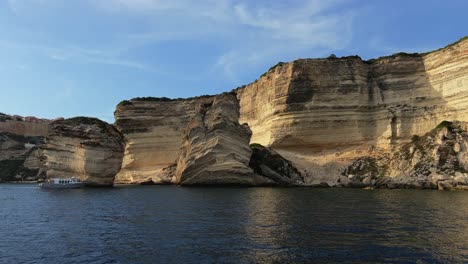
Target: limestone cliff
(20, 138)
(87, 148)
(215, 148)
(24, 126)
(323, 113)
(437, 160)
(19, 157)
(320, 114)
(154, 130)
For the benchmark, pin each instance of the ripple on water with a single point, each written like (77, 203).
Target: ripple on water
(149, 224)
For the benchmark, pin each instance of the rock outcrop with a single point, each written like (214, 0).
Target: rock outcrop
(154, 131)
(215, 149)
(271, 165)
(20, 139)
(437, 160)
(82, 147)
(19, 158)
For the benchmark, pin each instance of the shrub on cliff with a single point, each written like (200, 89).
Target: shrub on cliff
(124, 103)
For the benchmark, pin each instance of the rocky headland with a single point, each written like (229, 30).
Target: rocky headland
(83, 147)
(391, 122)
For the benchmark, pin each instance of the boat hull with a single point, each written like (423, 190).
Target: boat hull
(48, 185)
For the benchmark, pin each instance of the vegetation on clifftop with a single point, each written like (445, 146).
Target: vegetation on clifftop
(273, 68)
(83, 120)
(415, 55)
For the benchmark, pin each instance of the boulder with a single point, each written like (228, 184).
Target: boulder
(268, 163)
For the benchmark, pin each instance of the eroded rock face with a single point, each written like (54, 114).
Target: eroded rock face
(20, 138)
(437, 160)
(215, 150)
(19, 157)
(268, 163)
(323, 113)
(82, 147)
(154, 131)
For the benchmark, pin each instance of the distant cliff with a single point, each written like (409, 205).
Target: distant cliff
(20, 139)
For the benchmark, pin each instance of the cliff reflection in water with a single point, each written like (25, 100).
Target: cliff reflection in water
(170, 224)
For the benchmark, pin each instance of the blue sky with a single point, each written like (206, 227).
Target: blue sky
(64, 58)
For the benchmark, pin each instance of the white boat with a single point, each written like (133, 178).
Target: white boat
(65, 183)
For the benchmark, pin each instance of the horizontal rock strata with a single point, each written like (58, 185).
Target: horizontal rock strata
(154, 131)
(20, 138)
(216, 148)
(87, 148)
(323, 113)
(320, 114)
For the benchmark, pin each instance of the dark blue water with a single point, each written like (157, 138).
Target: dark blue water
(169, 224)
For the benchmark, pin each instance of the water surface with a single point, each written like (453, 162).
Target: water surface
(170, 224)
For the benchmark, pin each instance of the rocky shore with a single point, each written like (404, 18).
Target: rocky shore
(393, 122)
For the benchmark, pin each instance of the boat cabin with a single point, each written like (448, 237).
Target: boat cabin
(64, 181)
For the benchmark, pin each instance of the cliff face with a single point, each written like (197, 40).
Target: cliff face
(87, 148)
(20, 138)
(215, 148)
(24, 126)
(320, 114)
(323, 113)
(437, 160)
(154, 131)
(19, 157)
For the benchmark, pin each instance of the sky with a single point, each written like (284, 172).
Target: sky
(65, 58)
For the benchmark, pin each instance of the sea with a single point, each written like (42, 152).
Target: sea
(173, 224)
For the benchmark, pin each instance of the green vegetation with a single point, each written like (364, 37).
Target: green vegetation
(124, 103)
(415, 55)
(152, 99)
(448, 46)
(262, 156)
(256, 145)
(446, 124)
(85, 121)
(396, 55)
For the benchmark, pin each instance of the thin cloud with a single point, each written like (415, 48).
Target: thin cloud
(75, 54)
(250, 33)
